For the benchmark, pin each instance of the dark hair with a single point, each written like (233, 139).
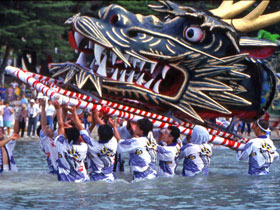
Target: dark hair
(263, 124)
(145, 125)
(105, 133)
(175, 133)
(72, 134)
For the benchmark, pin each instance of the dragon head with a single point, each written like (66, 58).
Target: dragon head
(188, 65)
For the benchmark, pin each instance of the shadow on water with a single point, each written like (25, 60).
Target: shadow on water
(227, 187)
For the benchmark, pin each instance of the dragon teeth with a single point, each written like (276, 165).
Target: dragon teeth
(134, 62)
(92, 64)
(90, 45)
(130, 78)
(122, 79)
(114, 58)
(148, 84)
(102, 67)
(142, 63)
(78, 38)
(81, 59)
(127, 58)
(140, 79)
(153, 66)
(98, 50)
(115, 75)
(156, 86)
(164, 71)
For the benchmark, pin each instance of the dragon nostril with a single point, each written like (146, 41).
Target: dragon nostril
(114, 19)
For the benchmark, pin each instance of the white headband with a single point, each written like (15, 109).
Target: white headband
(265, 130)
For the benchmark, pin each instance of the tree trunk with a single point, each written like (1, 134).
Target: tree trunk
(4, 63)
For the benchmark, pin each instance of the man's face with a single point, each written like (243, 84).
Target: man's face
(165, 136)
(138, 132)
(49, 131)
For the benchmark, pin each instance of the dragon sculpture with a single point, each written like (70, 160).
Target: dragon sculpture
(192, 65)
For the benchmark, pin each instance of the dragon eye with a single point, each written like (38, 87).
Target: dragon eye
(193, 34)
(114, 19)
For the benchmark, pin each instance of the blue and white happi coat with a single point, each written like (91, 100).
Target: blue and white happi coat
(9, 147)
(261, 153)
(48, 147)
(142, 156)
(167, 156)
(70, 163)
(100, 158)
(196, 159)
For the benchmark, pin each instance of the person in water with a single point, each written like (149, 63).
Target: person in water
(260, 151)
(141, 149)
(197, 153)
(168, 151)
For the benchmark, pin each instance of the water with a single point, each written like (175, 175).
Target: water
(227, 187)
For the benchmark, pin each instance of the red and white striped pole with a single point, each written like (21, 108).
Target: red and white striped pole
(51, 93)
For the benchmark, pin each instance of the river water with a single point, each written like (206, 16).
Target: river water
(227, 187)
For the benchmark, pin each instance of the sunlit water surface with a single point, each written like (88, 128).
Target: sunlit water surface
(227, 187)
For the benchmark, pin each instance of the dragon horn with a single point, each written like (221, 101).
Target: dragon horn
(255, 20)
(228, 9)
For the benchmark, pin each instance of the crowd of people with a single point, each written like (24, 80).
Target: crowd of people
(72, 153)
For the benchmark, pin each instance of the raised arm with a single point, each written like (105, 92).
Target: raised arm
(76, 118)
(60, 121)
(93, 123)
(113, 124)
(13, 137)
(43, 114)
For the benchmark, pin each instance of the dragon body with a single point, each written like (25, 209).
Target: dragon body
(191, 65)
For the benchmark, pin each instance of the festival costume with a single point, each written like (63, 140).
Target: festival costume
(100, 158)
(261, 153)
(142, 154)
(197, 154)
(48, 147)
(167, 156)
(70, 163)
(9, 147)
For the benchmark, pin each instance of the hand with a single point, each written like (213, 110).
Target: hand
(15, 136)
(56, 104)
(42, 102)
(111, 122)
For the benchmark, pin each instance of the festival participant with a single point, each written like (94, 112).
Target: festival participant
(141, 149)
(260, 151)
(33, 112)
(125, 132)
(168, 155)
(101, 153)
(72, 151)
(47, 135)
(196, 153)
(7, 162)
(3, 92)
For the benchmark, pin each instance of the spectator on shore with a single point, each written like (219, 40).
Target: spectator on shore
(1, 114)
(17, 92)
(23, 114)
(33, 112)
(8, 117)
(10, 93)
(23, 88)
(50, 113)
(14, 84)
(3, 92)
(23, 100)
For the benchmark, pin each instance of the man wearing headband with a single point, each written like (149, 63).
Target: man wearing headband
(260, 151)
